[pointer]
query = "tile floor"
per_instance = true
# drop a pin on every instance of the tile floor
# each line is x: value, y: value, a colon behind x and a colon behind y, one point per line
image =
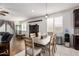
x: 64, y: 51
x: 61, y: 51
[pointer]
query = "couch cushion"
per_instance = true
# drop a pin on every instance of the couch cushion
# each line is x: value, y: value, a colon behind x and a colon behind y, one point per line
x: 5, y: 37
x: 10, y: 36
x: 1, y: 33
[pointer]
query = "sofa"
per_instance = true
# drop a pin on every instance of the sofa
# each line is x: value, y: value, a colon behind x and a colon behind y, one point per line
x: 5, y: 39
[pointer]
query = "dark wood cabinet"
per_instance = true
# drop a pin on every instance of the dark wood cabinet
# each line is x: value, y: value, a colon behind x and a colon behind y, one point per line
x: 76, y: 42
x: 76, y: 18
x: 76, y: 29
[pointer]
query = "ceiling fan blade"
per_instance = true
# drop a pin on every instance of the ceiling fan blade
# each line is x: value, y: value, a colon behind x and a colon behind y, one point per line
x: 6, y: 12
x: 2, y: 14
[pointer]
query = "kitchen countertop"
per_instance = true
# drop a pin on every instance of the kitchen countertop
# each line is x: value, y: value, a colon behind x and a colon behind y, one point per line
x: 76, y: 34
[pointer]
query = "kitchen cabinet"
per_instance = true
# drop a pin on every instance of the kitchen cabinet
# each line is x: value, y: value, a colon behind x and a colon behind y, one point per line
x: 76, y: 42
x: 76, y: 29
x: 76, y: 18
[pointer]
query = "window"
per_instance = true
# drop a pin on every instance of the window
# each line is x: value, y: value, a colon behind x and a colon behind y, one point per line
x: 54, y: 23
x: 58, y: 21
x: 50, y: 24
x: 58, y: 24
x: 23, y: 26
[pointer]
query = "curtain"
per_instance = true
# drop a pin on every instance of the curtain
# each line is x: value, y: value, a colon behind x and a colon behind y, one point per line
x: 1, y: 22
x: 12, y: 25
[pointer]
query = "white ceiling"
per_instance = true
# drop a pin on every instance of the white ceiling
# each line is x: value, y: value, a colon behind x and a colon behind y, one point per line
x: 22, y: 11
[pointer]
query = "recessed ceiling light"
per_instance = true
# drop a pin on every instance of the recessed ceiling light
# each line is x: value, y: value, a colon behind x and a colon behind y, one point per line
x: 32, y: 10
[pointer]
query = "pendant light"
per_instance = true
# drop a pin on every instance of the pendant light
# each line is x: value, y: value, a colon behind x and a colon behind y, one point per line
x: 46, y: 16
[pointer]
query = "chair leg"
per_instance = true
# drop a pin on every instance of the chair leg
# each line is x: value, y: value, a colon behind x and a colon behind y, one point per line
x: 49, y: 52
x: 53, y: 52
x: 25, y: 52
x: 55, y: 49
x: 43, y: 51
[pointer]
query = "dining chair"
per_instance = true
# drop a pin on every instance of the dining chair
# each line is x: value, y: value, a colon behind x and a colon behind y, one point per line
x: 51, y: 47
x: 32, y: 35
x: 30, y: 49
x: 54, y: 45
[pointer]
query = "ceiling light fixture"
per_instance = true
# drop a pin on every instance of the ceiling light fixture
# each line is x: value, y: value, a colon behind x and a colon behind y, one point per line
x: 32, y: 10
x: 46, y: 16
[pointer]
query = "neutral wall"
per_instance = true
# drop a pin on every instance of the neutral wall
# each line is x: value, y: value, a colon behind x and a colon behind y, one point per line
x: 68, y: 24
x: 42, y: 25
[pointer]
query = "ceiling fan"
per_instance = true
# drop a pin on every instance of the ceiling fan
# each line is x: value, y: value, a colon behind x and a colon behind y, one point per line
x: 4, y: 13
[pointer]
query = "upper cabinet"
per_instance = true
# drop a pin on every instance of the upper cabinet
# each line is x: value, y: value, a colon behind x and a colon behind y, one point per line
x: 76, y: 18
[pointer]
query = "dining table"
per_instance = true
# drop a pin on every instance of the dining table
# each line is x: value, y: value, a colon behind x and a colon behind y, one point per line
x: 39, y: 41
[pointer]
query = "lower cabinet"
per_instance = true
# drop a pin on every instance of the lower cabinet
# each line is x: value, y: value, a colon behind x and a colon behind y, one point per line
x: 76, y: 42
